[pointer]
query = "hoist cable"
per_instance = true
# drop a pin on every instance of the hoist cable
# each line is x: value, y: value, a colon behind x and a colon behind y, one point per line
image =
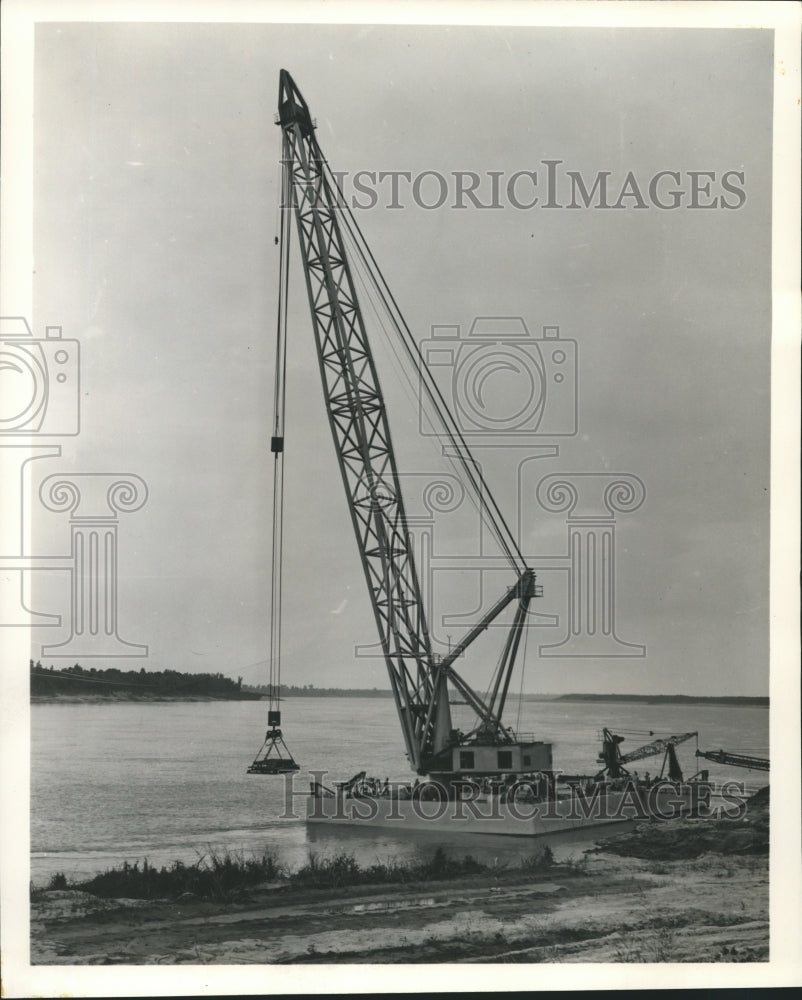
x: 277, y: 445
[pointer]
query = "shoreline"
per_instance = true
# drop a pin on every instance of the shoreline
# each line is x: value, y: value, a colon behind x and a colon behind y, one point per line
x: 122, y: 697
x: 678, y: 891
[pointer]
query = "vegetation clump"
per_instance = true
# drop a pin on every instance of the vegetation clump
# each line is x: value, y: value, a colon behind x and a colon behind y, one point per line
x: 217, y: 876
x: 343, y: 869
x: 688, y: 839
x: 224, y: 876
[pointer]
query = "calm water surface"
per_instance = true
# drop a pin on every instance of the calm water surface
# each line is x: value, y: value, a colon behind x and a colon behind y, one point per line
x: 166, y: 781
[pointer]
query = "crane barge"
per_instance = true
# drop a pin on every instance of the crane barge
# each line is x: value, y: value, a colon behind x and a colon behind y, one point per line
x: 421, y: 681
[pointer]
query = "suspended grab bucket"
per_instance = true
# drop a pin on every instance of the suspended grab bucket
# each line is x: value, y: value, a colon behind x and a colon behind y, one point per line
x: 273, y: 757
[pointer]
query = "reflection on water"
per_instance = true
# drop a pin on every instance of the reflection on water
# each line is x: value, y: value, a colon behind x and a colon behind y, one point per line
x: 168, y: 781
x: 294, y: 842
x: 368, y: 846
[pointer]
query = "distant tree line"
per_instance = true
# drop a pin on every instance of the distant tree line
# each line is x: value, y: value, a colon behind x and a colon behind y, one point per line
x: 690, y: 699
x: 310, y: 691
x: 155, y: 683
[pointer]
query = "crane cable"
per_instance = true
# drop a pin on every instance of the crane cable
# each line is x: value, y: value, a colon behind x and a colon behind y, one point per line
x: 409, y: 387
x: 521, y: 691
x: 277, y: 446
x: 405, y: 379
x: 486, y: 502
x: 471, y: 467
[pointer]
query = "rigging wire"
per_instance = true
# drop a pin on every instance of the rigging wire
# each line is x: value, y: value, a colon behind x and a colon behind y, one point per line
x: 469, y: 464
x: 495, y: 677
x: 471, y: 470
x: 523, y: 671
x: 408, y: 385
x: 363, y: 261
x: 405, y: 379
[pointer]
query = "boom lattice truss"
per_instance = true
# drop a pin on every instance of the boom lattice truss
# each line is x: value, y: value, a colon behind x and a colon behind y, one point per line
x: 363, y: 445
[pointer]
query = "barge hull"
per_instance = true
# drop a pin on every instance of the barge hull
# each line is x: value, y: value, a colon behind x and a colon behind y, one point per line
x: 493, y: 817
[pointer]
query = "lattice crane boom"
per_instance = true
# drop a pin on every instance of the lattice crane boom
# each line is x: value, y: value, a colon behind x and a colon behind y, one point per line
x: 358, y: 422
x: 654, y: 748
x: 735, y: 759
x: 359, y: 426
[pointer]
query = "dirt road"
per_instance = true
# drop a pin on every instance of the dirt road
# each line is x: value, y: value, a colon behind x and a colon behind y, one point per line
x: 605, y: 909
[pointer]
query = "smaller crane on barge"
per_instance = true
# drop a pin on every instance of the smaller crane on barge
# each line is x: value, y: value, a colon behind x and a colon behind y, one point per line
x: 614, y: 761
x: 330, y: 242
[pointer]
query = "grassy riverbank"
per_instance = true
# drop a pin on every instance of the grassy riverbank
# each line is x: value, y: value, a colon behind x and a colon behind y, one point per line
x: 679, y: 891
x: 228, y: 876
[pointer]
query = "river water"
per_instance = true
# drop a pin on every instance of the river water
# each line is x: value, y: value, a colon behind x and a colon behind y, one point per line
x: 167, y: 780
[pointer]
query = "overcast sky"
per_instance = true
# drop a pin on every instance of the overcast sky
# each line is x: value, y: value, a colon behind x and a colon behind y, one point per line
x: 156, y: 191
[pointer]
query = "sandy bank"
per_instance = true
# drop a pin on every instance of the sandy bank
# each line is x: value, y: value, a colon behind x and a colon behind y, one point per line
x: 607, y: 908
